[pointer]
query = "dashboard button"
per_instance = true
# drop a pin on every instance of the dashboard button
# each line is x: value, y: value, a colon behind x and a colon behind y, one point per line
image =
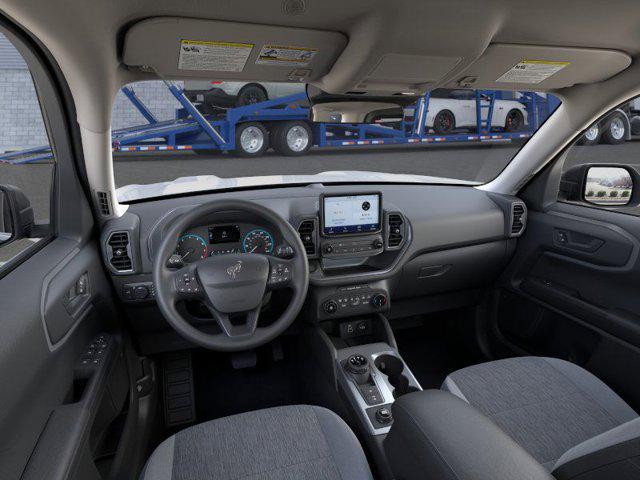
x: 330, y: 307
x: 140, y: 292
x: 379, y: 300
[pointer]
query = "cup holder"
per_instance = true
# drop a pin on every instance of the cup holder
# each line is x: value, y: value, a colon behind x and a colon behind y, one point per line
x: 393, y: 367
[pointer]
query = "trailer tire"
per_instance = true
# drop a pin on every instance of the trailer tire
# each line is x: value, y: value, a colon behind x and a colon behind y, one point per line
x: 292, y: 138
x: 615, y: 131
x: 514, y: 121
x: 444, y: 122
x: 592, y: 135
x: 252, y: 139
x: 251, y: 94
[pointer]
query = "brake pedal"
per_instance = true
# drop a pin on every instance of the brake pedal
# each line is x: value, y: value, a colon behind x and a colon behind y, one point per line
x: 241, y: 360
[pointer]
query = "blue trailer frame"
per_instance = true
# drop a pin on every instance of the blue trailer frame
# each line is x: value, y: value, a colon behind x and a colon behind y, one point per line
x: 192, y: 130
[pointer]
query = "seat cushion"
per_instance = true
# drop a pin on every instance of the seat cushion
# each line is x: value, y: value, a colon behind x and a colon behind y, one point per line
x: 293, y: 442
x: 546, y: 405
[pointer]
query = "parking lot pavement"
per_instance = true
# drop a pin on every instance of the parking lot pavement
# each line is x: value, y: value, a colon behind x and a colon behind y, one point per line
x: 463, y: 161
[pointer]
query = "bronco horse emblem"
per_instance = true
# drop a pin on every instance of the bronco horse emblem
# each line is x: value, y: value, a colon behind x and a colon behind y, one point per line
x: 234, y: 269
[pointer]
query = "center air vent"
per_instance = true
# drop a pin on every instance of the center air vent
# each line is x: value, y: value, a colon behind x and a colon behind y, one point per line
x: 118, y: 251
x: 395, y: 225
x: 518, y: 219
x: 307, y: 235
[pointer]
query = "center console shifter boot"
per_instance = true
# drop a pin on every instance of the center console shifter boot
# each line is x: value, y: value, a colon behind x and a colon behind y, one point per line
x: 437, y: 436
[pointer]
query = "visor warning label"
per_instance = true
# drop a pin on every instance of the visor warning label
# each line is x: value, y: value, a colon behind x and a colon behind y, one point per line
x: 213, y: 56
x: 285, y: 55
x: 532, y: 71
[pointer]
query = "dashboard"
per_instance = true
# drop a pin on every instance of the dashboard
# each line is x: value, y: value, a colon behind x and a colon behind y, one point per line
x: 393, y: 249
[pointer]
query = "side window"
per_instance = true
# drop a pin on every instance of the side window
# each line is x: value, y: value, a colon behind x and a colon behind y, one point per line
x: 602, y: 168
x: 26, y: 160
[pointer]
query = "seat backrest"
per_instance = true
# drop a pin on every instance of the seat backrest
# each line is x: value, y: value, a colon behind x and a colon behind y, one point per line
x: 614, y: 454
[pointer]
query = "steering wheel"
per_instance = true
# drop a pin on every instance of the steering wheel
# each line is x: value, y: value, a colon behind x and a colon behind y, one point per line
x: 232, y: 285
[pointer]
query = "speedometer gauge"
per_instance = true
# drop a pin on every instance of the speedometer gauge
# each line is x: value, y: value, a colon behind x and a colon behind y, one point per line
x: 258, y: 241
x: 191, y: 247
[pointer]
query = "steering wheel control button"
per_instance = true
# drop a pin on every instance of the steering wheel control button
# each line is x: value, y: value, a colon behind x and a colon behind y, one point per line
x: 280, y: 274
x: 187, y: 284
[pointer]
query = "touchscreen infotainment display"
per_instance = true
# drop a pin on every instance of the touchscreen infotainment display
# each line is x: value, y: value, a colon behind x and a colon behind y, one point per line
x: 351, y: 214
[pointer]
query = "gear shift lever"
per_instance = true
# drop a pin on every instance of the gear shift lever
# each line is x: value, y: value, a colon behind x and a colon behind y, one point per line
x: 358, y: 366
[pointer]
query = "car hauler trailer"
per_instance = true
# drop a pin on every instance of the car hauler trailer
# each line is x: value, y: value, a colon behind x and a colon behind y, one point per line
x: 283, y: 124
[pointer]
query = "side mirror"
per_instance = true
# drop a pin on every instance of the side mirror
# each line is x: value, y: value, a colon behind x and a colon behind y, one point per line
x: 16, y: 214
x: 608, y: 186
x: 603, y: 185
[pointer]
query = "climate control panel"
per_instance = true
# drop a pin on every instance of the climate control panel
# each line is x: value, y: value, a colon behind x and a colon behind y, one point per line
x: 353, y: 247
x: 354, y: 300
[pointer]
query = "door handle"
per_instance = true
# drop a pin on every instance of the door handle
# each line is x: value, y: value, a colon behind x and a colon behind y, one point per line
x: 576, y: 241
x: 78, y: 295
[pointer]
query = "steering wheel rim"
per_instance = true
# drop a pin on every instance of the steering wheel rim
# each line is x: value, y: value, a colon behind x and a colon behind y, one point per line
x: 241, y: 289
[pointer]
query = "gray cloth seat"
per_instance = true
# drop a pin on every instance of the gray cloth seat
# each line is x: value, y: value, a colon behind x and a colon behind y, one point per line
x: 555, y: 410
x: 293, y: 442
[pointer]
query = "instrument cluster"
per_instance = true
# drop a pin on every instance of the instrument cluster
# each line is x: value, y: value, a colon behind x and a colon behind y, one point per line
x: 212, y: 240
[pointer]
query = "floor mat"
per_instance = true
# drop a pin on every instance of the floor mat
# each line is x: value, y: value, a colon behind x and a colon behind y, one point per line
x: 221, y: 390
x: 434, y: 349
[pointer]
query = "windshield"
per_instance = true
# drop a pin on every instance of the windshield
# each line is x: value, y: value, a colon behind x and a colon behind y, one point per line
x: 188, y: 136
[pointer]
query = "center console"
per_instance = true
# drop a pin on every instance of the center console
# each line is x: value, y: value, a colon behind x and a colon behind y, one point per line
x: 367, y: 375
x: 372, y: 377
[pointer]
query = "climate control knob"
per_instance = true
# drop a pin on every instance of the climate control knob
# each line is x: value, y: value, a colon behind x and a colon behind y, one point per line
x: 378, y: 244
x: 328, y: 249
x: 379, y: 300
x: 330, y: 307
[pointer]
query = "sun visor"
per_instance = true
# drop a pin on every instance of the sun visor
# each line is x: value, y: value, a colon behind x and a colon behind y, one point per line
x: 529, y: 67
x: 187, y: 48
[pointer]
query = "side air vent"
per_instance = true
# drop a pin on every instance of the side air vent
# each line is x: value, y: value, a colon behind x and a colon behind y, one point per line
x: 395, y: 229
x: 518, y: 219
x: 103, y: 203
x: 119, y: 252
x: 307, y: 235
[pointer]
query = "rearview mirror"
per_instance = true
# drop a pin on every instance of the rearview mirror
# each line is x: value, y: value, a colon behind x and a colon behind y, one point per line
x: 360, y: 108
x: 16, y: 214
x: 608, y: 186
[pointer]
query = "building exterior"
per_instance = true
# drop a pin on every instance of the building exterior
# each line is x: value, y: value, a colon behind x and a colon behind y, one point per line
x: 21, y: 123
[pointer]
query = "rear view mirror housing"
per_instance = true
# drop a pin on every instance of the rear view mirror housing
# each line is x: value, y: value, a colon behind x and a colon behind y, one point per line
x: 16, y: 214
x: 601, y: 184
x: 356, y: 108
